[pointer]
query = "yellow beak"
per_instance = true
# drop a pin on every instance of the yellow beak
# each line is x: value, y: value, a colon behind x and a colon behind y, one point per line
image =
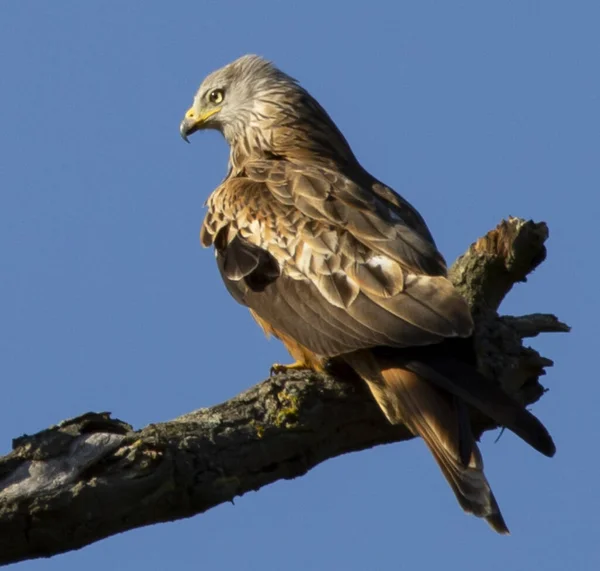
x: 193, y: 121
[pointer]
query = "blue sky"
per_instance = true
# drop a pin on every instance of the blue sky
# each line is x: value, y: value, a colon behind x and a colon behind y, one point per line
x: 472, y: 110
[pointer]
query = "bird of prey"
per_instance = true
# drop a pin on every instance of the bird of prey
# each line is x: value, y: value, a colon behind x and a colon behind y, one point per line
x: 343, y: 270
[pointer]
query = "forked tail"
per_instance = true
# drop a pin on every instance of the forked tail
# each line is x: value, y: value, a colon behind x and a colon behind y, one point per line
x: 441, y: 419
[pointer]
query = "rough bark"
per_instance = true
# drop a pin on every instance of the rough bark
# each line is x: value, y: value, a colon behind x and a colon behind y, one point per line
x: 93, y: 476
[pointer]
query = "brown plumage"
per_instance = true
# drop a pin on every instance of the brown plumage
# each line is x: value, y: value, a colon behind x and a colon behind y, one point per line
x: 342, y: 269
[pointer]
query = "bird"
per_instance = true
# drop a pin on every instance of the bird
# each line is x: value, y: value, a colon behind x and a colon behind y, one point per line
x: 344, y: 271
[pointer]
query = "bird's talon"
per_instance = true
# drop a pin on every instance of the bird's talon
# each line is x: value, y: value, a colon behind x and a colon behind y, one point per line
x: 279, y: 369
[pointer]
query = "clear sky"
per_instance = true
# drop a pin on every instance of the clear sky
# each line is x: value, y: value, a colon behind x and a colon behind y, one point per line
x: 472, y: 110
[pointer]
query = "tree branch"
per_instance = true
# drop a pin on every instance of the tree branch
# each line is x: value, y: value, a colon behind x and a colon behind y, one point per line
x: 91, y: 477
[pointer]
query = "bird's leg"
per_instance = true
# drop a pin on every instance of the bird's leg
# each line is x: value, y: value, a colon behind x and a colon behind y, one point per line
x: 278, y: 369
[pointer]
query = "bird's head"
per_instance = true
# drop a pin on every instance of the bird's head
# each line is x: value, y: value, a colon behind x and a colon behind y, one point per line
x: 230, y: 99
x: 261, y: 111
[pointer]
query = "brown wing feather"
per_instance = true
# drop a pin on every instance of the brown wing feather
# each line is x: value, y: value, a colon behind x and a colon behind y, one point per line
x: 338, y: 270
x: 392, y: 228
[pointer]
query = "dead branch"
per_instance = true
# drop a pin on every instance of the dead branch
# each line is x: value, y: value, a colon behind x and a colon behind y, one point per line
x: 93, y: 476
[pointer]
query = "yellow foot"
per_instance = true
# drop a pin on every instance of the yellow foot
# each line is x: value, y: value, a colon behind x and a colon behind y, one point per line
x: 277, y: 369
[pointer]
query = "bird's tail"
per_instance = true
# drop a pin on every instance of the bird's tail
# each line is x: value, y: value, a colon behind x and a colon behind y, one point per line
x: 442, y: 420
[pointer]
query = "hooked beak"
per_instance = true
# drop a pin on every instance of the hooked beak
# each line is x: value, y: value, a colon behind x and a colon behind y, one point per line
x: 193, y: 122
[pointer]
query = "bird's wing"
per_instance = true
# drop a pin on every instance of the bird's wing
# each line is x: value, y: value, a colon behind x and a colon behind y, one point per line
x: 329, y: 263
x: 375, y: 216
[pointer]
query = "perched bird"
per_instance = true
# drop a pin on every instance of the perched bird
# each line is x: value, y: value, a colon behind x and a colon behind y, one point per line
x: 343, y: 270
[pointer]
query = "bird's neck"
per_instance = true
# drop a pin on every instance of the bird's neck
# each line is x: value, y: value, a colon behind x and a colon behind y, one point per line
x: 309, y: 137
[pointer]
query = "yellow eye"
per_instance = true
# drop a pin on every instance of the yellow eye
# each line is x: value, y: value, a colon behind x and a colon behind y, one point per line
x: 216, y: 96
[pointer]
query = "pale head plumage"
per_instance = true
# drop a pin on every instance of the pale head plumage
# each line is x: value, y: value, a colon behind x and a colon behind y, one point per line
x: 242, y: 85
x: 261, y: 110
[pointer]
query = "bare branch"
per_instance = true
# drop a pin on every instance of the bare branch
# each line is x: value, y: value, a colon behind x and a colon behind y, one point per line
x: 91, y: 477
x: 498, y: 260
x: 535, y: 323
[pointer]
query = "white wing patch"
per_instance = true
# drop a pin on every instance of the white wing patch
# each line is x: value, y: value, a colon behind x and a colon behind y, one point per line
x: 382, y: 263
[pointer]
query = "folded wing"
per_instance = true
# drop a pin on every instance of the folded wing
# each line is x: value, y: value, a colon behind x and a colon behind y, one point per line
x: 329, y: 263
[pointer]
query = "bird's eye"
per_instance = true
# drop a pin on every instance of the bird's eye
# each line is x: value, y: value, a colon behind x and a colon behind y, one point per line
x: 216, y: 96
